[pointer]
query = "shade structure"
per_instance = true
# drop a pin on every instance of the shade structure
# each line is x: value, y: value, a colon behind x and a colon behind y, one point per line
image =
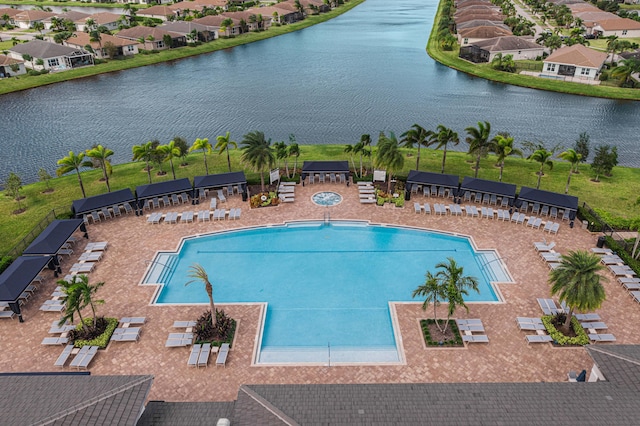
x: 552, y: 199
x: 489, y: 187
x: 17, y: 277
x: 53, y: 237
x: 310, y: 167
x: 221, y: 180
x: 86, y: 205
x: 144, y: 192
x: 417, y: 177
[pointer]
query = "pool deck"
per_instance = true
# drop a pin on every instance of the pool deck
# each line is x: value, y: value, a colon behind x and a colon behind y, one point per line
x: 132, y: 242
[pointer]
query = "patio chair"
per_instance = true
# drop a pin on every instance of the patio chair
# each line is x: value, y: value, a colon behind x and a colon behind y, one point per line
x: 467, y: 196
x: 553, y: 213
x: 493, y: 200
x: 194, y: 355
x: 543, y: 246
x: 427, y: 208
x: 205, y: 351
x: 538, y: 338
x: 531, y: 220
x: 105, y: 213
x: 229, y: 189
x: 332, y: 179
x: 174, y: 199
x: 478, y: 197
x: 441, y: 191
x: 127, y: 208
x: 601, y: 337
x: 221, y: 196
x: 148, y: 205
x: 544, y: 211
x: 222, y: 355
x: 184, y: 197
x: 417, y: 207
x: 321, y: 179
x: 312, y: 179
x: 536, y: 208
x: 165, y: 201
x: 64, y: 356
x: 85, y: 219
x: 485, y: 199
x: 434, y: 190
x: 116, y: 210
x: 213, y: 204
x: 95, y: 216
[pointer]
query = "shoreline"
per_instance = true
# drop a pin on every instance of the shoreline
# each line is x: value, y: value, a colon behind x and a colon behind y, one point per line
x: 18, y: 84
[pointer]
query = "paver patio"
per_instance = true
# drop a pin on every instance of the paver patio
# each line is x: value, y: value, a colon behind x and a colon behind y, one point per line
x: 133, y: 242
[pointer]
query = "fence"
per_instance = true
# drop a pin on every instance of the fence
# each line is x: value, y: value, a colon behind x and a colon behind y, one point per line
x: 598, y: 224
x: 24, y: 243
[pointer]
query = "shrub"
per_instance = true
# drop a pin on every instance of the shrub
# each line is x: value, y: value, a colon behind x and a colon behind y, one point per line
x: 109, y: 324
x: 424, y: 324
x: 222, y: 332
x: 616, y: 223
x: 594, y: 223
x: 624, y: 255
x: 560, y: 339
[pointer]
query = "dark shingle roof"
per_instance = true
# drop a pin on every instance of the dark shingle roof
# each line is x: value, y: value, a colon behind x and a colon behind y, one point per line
x: 73, y: 399
x: 159, y: 413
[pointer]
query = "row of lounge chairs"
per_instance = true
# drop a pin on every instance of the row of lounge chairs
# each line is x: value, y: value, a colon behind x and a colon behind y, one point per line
x: 286, y: 192
x: 108, y: 212
x: 590, y: 321
x: 5, y: 310
x: 82, y: 358
x: 472, y: 331
x: 154, y: 203
x: 188, y: 216
x: 125, y: 333
x: 366, y: 192
x: 624, y: 274
x: 330, y: 177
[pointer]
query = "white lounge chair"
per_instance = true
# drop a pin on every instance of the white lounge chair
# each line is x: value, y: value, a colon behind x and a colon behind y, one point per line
x: 538, y: 338
x: 194, y: 355
x: 221, y: 196
x: 222, y: 355
x: 64, y: 356
x: 55, y: 341
x: 601, y: 337
x: 417, y: 207
x: 203, y: 358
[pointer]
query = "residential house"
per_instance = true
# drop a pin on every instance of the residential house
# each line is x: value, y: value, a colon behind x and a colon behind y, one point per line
x: 124, y: 47
x: 470, y: 16
x: 621, y: 27
x: 478, y: 8
x: 280, y: 15
x: 55, y: 57
x: 215, y: 22
x: 315, y: 6
x: 250, y: 19
x: 287, y: 5
x: 71, y: 16
x: 11, y: 67
x: 9, y: 12
x: 472, y: 35
x: 152, y: 38
x: 204, y: 33
x: 184, y: 8
x: 481, y: 23
x: 102, y: 19
x: 575, y: 61
x: 485, y: 50
x: 164, y: 13
x: 462, y: 3
x: 26, y: 18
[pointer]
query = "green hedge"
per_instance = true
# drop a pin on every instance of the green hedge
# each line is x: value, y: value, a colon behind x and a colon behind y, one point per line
x: 594, y: 223
x: 5, y: 261
x: 624, y: 255
x: 424, y: 324
x: 560, y: 339
x: 102, y: 340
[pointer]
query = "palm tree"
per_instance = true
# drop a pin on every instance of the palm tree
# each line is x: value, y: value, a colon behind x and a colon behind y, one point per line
x: 455, y: 284
x: 431, y: 290
x: 294, y: 151
x: 73, y: 162
x: 78, y: 295
x: 578, y: 283
x: 416, y: 135
x: 258, y: 153
x: 503, y: 147
x: 281, y: 154
x: 366, y: 142
x: 624, y: 71
x: 612, y: 42
x: 351, y: 150
x: 478, y: 141
x: 543, y: 157
x: 389, y: 156
x: 443, y: 136
x: 227, y: 24
x: 144, y: 152
x: 197, y: 272
x: 223, y: 143
x: 101, y: 155
x: 574, y: 158
x: 205, y: 146
x: 170, y: 151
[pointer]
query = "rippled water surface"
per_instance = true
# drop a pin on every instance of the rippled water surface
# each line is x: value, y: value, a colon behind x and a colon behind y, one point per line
x: 363, y: 72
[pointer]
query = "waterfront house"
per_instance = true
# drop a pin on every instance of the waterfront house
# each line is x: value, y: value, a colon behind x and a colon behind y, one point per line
x: 11, y: 13
x: 468, y: 36
x: 481, y: 23
x: 100, y: 49
x: 185, y: 28
x: 486, y: 50
x: 184, y: 8
x: 103, y: 19
x: 279, y: 14
x: 470, y: 16
x: 11, y: 67
x: 54, y: 57
x: 164, y: 13
x: 26, y: 18
x: 575, y: 62
x: 152, y: 38
x: 214, y: 22
x: 250, y: 18
x: 71, y: 16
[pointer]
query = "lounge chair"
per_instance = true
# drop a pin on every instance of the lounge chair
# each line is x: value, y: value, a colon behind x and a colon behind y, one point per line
x: 50, y: 307
x: 177, y: 343
x: 478, y: 197
x: 554, y: 213
x: 531, y: 326
x: 587, y: 317
x: 524, y: 207
x: 238, y: 213
x: 485, y: 212
x: 427, y: 208
x: 453, y: 209
x: 82, y: 268
x: 536, y: 208
x: 628, y: 280
x: 550, y: 256
x: 154, y: 218
x: 467, y: 196
x: 538, y: 338
x: 493, y: 200
x: 95, y: 216
x: 631, y: 286
x: 441, y: 192
x: 221, y: 196
x: 612, y: 259
x: 426, y: 191
x: 205, y: 351
x: 55, y: 341
x: 7, y: 314
x: 543, y: 246
x: 544, y: 211
x: 99, y: 246
x: 125, y: 336
x: 194, y: 355
x: 204, y: 215
x: 520, y: 220
x: 322, y: 177
x: 594, y: 325
x: 133, y: 320
x: 490, y: 213
x: 554, y: 228
x: 127, y: 208
x: 64, y: 356
x: 222, y: 355
x: 635, y: 295
x: 59, y: 329
x: 475, y: 338
x: 601, y: 337
x: 500, y: 214
x: 229, y: 189
x: 165, y: 201
x: 91, y: 256
x: 156, y: 203
x: 548, y: 306
x: 105, y: 212
x: 504, y: 203
x: 174, y: 199
x: 417, y: 207
x: 186, y: 217
x: 183, y: 324
x: 566, y: 215
x: 171, y: 217
x: 213, y: 203
x: 202, y: 194
x: 88, y: 357
x: 116, y: 210
x: 184, y: 197
x: 434, y: 190
x: 621, y: 270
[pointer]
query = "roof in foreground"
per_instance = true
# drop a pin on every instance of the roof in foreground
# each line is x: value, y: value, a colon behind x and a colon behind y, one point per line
x: 73, y: 399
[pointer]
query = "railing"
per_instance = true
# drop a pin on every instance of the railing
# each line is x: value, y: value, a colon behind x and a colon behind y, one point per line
x: 598, y: 224
x: 17, y: 250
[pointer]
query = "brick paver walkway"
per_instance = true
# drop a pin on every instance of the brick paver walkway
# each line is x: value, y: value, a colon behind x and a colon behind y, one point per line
x: 132, y: 242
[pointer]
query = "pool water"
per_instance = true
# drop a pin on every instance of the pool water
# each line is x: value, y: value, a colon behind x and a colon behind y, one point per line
x: 327, y: 286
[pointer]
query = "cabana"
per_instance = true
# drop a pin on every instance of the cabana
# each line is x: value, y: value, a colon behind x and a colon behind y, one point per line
x: 110, y: 199
x: 491, y: 187
x: 416, y: 177
x: 221, y: 180
x: 323, y: 168
x: 54, y: 236
x: 18, y: 276
x: 551, y: 199
x: 154, y: 190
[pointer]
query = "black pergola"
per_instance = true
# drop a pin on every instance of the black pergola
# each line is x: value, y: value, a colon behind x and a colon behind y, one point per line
x: 53, y: 238
x: 417, y: 177
x: 17, y: 277
x: 153, y: 190
x: 552, y: 199
x: 313, y: 167
x: 489, y: 187
x: 221, y: 180
x: 86, y: 205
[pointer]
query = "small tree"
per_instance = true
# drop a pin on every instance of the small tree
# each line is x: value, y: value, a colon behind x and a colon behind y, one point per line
x: 182, y: 145
x: 13, y: 185
x: 78, y: 295
x: 197, y: 272
x: 543, y: 157
x: 45, y: 177
x: 294, y: 151
x: 582, y: 147
x: 605, y: 159
x: 433, y: 292
x: 574, y: 158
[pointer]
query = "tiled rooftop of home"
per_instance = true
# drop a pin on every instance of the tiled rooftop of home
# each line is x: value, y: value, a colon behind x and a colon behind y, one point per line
x: 133, y: 242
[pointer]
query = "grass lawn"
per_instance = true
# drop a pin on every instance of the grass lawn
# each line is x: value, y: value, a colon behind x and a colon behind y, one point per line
x: 616, y: 195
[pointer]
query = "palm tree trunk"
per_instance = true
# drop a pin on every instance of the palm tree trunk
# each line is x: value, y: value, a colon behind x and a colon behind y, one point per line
x: 214, y: 317
x: 206, y: 167
x: 539, y: 177
x: 567, y: 322
x: 172, y: 169
x: 418, y: 159
x: 228, y: 159
x: 148, y: 171
x: 566, y: 188
x: 477, y: 165
x: 389, y: 185
x: 354, y: 166
x: 360, y: 165
x: 106, y: 176
x: 80, y: 182
x: 444, y: 158
x: 501, y: 169
x: 435, y: 317
x: 262, y: 180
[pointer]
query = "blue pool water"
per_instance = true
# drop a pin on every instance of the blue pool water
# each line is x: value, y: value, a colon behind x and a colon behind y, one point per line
x: 327, y: 286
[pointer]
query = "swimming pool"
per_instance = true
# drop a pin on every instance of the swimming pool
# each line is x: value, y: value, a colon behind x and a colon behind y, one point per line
x: 327, y: 286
